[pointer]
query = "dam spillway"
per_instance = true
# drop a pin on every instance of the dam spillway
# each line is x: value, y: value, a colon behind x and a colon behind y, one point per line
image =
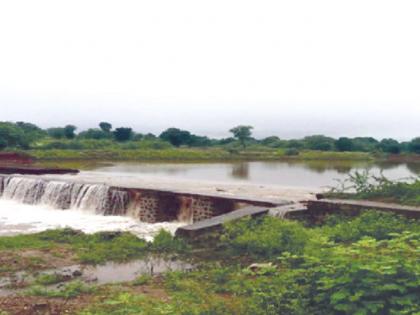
x: 144, y: 205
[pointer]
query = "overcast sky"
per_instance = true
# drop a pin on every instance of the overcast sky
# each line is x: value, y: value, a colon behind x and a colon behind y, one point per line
x: 289, y: 68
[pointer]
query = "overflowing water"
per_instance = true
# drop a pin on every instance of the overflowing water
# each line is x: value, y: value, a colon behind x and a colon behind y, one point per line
x: 56, y: 194
x: 29, y: 205
x: 17, y: 218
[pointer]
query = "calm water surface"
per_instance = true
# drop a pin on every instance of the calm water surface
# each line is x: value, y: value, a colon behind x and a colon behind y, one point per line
x: 296, y: 174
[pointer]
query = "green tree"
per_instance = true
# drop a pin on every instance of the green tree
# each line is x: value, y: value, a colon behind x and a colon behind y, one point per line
x: 105, y: 126
x: 242, y: 133
x: 176, y: 136
x: 11, y: 135
x: 31, y: 132
x: 3, y: 144
x: 274, y: 142
x: 56, y: 132
x: 94, y: 134
x: 344, y: 144
x: 365, y: 144
x: 69, y: 131
x: 123, y: 134
x: 319, y: 142
x: 414, y: 145
x: 390, y: 146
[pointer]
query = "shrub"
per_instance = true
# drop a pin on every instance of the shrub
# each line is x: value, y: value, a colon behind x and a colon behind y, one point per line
x: 376, y: 224
x: 70, y: 290
x: 291, y: 152
x: 165, y: 242
x: 265, y: 237
x: 369, y: 277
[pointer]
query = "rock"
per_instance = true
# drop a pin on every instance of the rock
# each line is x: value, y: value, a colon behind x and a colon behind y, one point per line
x: 256, y: 267
x: 77, y: 273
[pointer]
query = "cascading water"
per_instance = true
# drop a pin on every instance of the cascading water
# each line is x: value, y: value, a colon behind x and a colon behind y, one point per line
x: 56, y: 194
x: 30, y: 205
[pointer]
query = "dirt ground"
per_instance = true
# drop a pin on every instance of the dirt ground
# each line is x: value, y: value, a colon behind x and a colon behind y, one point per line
x: 23, y: 305
x: 34, y: 259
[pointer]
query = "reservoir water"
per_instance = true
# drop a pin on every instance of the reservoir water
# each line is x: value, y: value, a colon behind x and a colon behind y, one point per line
x: 311, y: 174
x: 267, y: 180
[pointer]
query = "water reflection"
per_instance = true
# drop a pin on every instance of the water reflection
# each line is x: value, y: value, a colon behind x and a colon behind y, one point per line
x: 240, y: 170
x: 311, y: 174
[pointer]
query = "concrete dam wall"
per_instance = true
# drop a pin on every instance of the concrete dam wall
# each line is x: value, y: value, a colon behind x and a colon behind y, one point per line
x: 146, y: 205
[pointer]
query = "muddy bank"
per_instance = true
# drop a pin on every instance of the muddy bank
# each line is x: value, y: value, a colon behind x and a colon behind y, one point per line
x: 15, y: 158
x: 35, y: 171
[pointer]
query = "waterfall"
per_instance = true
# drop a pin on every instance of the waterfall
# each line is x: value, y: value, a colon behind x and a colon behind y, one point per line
x: 63, y: 195
x: 102, y: 199
x: 25, y: 190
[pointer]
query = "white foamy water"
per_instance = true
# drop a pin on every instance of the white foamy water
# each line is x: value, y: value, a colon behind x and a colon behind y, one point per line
x: 17, y: 218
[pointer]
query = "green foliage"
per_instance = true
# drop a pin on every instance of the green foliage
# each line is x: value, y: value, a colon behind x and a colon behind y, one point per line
x: 274, y: 142
x: 32, y: 133
x: 12, y: 136
x: 70, y: 290
x: 3, y: 144
x: 145, y: 151
x: 176, y: 137
x: 368, y: 277
x: 142, y: 280
x: 319, y: 142
x: 56, y: 132
x: 390, y: 146
x: 265, y: 237
x: 48, y: 279
x: 69, y: 131
x: 414, y: 145
x: 363, y: 185
x: 344, y: 144
x: 123, y: 134
x: 100, y: 247
x: 291, y: 152
x: 96, y: 134
x: 379, y: 225
x: 367, y: 264
x: 242, y: 133
x: 90, y: 248
x: 105, y: 126
x: 165, y: 242
x: 25, y: 135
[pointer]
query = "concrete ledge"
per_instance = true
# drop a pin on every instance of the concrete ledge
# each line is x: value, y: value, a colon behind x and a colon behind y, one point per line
x: 216, y: 222
x: 319, y: 207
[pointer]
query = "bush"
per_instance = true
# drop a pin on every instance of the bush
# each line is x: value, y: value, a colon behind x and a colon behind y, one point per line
x: 265, y: 237
x: 165, y: 242
x: 376, y: 224
x: 369, y: 277
x: 291, y: 152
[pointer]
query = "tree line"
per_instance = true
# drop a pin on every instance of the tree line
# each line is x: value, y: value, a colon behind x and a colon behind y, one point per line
x: 24, y: 135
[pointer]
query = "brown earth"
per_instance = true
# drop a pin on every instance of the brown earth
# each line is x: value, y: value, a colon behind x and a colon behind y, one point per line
x: 35, y: 259
x: 30, y: 305
x: 16, y: 158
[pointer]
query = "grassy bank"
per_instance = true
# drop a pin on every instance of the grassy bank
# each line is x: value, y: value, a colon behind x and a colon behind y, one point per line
x: 184, y: 154
x: 365, y: 186
x: 346, y: 265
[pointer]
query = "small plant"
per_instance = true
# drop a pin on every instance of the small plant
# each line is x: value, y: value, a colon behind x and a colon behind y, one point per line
x: 142, y: 280
x: 364, y: 185
x: 165, y: 242
x: 70, y: 290
x: 291, y: 152
x: 47, y: 279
